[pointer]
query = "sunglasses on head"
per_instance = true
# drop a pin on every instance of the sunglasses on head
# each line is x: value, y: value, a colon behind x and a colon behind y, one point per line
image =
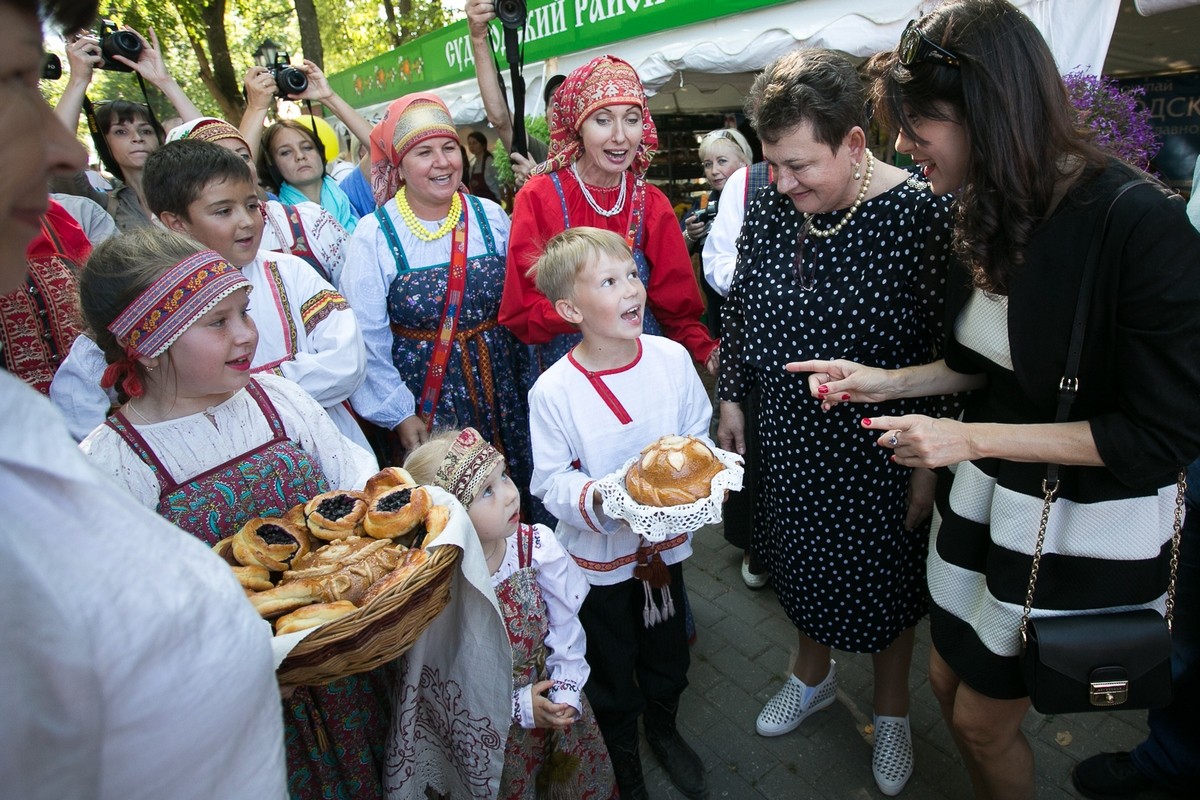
x: 917, y: 48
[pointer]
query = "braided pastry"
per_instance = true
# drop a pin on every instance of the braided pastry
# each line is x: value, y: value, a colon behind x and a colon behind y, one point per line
x: 672, y: 471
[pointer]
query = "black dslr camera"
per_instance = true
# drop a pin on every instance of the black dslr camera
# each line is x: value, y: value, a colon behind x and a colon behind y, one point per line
x: 511, y: 13
x: 116, y: 42
x: 288, y: 79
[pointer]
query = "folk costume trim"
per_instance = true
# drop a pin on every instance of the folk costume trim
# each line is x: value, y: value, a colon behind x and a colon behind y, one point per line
x: 596, y: 379
x: 583, y: 505
x: 631, y: 558
x: 282, y: 307
x: 467, y: 465
x: 317, y: 308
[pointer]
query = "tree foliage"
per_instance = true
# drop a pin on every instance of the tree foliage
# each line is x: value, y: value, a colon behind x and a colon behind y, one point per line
x: 209, y: 44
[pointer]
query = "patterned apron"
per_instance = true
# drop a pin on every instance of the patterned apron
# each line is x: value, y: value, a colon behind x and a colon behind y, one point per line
x: 581, y: 749
x: 487, y: 365
x: 335, y: 733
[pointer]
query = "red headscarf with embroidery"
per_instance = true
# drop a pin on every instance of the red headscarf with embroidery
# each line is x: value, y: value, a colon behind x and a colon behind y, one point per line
x: 407, y: 122
x: 603, y: 81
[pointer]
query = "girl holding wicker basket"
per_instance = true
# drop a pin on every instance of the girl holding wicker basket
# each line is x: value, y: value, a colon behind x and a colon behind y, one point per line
x: 210, y: 448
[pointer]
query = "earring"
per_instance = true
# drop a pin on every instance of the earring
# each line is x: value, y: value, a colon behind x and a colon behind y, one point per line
x: 857, y: 171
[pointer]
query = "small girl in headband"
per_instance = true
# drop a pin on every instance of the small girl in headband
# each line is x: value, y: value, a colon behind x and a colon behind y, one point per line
x: 554, y: 738
x: 209, y: 448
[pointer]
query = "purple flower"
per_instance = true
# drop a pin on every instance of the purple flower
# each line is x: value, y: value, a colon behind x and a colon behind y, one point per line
x: 1118, y: 119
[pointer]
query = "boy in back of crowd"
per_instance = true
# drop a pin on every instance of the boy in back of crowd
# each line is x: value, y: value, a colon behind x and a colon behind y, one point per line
x: 590, y: 412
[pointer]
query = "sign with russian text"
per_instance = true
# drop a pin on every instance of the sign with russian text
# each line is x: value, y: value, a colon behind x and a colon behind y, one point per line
x: 553, y: 28
x: 1174, y: 105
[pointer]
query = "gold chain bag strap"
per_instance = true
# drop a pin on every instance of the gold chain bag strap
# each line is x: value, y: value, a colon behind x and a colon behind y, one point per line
x: 1097, y: 661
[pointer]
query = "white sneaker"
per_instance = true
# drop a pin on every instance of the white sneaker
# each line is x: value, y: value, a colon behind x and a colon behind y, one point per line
x: 753, y: 580
x: 793, y: 703
x: 892, y: 761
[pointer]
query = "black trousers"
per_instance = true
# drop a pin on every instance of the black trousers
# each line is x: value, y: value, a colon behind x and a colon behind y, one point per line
x: 632, y: 664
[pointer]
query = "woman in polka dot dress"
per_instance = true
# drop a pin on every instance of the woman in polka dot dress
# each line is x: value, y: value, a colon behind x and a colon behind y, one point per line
x: 842, y: 255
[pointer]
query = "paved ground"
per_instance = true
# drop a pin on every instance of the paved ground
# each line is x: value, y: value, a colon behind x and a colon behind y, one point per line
x: 740, y: 659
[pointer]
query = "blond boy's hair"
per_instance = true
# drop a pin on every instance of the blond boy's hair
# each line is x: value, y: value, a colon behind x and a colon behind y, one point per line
x: 566, y: 255
x: 423, y: 463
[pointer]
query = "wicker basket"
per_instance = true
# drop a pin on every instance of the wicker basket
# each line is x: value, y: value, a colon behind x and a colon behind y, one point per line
x: 378, y: 632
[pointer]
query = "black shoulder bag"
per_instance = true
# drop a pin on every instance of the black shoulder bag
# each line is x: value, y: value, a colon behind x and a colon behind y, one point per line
x: 1104, y: 661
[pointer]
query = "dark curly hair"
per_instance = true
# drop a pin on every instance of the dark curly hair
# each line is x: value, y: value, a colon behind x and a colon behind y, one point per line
x: 1023, y: 134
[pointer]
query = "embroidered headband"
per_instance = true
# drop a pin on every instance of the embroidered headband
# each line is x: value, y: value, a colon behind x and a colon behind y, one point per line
x: 206, y: 129
x: 173, y: 303
x: 467, y: 465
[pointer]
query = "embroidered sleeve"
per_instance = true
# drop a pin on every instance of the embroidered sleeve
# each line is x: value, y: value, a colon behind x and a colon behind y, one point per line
x: 318, y: 307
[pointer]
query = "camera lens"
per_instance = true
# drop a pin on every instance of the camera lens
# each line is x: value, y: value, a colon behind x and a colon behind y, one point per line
x: 511, y: 13
x: 290, y: 80
x: 122, y: 43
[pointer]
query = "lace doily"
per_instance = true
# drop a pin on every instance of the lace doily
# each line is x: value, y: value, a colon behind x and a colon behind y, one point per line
x: 657, y: 523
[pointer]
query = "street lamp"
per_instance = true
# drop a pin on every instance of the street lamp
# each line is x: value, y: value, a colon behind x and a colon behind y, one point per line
x: 266, y: 53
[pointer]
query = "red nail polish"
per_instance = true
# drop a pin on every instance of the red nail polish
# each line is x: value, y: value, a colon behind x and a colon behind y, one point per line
x: 893, y: 458
x: 845, y: 397
x: 866, y: 423
x: 823, y: 389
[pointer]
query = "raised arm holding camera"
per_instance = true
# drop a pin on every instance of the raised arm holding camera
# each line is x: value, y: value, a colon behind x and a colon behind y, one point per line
x: 290, y: 154
x: 126, y: 132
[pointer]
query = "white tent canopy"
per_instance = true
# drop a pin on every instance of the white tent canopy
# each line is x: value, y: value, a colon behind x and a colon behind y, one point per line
x: 708, y: 66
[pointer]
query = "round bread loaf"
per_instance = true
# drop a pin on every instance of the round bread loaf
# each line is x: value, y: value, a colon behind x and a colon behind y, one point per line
x: 672, y: 471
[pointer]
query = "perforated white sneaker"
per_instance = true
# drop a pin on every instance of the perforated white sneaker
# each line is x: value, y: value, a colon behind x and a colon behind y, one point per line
x: 892, y: 761
x: 793, y: 703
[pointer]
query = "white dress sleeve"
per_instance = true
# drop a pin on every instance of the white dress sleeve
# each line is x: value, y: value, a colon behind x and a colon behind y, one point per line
x: 383, y: 398
x: 345, y: 464
x: 330, y: 363
x: 564, y: 587
x: 76, y: 389
x: 326, y: 238
x: 720, y: 248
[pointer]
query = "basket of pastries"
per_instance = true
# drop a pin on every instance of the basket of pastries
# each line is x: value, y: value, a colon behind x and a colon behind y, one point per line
x: 675, y: 485
x: 350, y: 579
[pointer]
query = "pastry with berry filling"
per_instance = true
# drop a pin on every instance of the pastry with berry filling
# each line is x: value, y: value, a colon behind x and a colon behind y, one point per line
x: 335, y: 515
x: 387, y: 479
x: 396, y: 511
x: 270, y: 543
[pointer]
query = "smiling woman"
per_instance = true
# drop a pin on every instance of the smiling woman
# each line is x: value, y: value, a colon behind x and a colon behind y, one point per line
x: 429, y: 260
x: 602, y: 142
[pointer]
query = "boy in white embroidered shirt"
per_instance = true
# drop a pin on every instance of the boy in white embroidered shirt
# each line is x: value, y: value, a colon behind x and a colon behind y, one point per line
x: 307, y: 332
x: 590, y: 412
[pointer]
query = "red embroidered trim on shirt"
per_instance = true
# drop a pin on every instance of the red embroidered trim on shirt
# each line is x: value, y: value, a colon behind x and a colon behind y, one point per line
x: 609, y: 566
x: 583, y: 506
x: 596, y: 379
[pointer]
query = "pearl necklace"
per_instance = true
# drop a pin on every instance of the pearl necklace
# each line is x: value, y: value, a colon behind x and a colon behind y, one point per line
x: 591, y: 201
x: 414, y: 224
x: 862, y: 193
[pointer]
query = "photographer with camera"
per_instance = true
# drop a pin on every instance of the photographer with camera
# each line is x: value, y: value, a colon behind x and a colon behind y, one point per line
x: 126, y: 133
x: 290, y: 155
x: 495, y: 105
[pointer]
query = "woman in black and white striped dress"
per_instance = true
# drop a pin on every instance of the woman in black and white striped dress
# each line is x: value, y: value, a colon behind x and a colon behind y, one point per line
x: 981, y: 108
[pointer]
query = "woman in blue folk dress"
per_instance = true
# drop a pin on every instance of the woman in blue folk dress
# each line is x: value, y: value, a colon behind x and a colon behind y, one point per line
x: 424, y: 275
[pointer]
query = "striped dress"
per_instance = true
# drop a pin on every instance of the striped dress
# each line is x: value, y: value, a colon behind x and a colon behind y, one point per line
x: 1108, y: 539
